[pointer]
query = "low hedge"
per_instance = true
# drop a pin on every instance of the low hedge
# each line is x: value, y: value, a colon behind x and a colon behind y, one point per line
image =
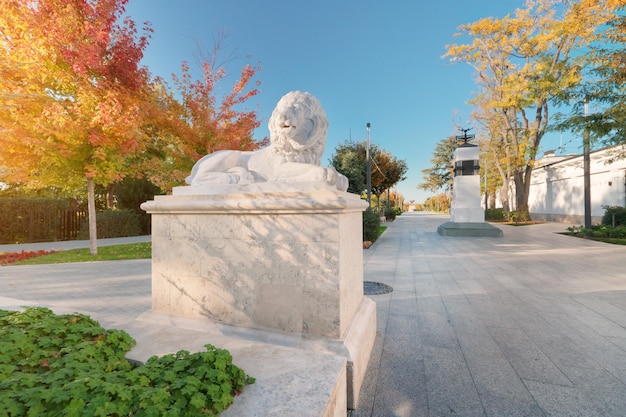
x: 495, y: 215
x: 371, y: 225
x: 114, y: 223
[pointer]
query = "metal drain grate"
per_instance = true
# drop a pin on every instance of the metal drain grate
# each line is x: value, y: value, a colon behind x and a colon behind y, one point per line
x: 375, y: 288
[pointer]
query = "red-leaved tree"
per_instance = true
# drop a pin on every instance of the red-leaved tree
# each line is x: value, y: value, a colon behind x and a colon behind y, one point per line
x: 74, y: 95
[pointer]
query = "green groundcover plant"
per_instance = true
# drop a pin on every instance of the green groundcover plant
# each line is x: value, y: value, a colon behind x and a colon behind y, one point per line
x: 68, y: 365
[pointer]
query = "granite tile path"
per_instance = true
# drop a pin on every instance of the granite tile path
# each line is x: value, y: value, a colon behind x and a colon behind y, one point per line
x: 530, y: 324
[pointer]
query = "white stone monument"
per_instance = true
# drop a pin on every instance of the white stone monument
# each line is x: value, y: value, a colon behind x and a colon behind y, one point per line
x: 269, y: 240
x: 467, y: 216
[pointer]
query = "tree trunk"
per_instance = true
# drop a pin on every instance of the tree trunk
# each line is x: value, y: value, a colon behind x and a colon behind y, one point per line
x: 522, y: 188
x: 110, y: 195
x: 91, y: 207
x: 504, y: 196
x: 504, y: 189
x: 492, y: 199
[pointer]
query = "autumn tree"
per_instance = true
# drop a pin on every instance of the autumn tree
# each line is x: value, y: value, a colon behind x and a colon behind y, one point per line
x: 524, y: 62
x: 72, y: 93
x: 438, y: 203
x: 386, y: 170
x: 76, y: 106
x: 193, y: 118
x: 496, y: 154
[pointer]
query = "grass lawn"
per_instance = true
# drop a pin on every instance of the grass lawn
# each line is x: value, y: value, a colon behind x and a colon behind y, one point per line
x: 105, y: 253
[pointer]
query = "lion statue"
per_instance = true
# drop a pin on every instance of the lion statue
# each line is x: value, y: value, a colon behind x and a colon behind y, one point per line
x: 298, y: 127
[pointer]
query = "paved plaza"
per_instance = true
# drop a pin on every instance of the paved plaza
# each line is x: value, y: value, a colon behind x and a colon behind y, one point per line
x: 530, y: 324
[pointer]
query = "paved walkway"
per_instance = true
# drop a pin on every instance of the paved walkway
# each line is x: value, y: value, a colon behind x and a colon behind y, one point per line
x: 531, y: 324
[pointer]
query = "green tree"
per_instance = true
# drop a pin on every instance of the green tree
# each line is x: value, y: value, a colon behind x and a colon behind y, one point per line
x: 386, y: 170
x: 349, y: 159
x: 604, y: 85
x: 439, y: 175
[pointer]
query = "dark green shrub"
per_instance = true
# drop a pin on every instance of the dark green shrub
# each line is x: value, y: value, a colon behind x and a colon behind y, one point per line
x: 579, y: 231
x: 495, y: 215
x: 68, y: 365
x: 598, y: 231
x: 519, y: 216
x: 398, y: 211
x: 614, y: 215
x: 131, y: 193
x: 114, y: 223
x: 371, y: 225
x: 390, y: 215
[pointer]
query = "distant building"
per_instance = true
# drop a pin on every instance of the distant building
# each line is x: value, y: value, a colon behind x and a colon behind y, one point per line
x: 557, y: 185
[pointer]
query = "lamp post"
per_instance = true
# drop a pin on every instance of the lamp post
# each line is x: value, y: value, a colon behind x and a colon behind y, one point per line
x: 368, y: 168
x: 486, y: 189
x: 587, y: 171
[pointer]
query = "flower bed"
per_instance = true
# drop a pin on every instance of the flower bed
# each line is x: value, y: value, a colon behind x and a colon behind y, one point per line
x: 10, y: 257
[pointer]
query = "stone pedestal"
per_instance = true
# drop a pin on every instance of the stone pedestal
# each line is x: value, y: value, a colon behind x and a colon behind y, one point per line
x: 466, y: 207
x: 467, y: 216
x: 283, y: 261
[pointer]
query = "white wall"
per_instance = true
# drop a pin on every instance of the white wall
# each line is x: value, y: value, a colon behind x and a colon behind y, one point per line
x: 557, y: 189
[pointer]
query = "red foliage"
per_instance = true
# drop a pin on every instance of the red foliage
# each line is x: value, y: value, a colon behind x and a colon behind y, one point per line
x: 10, y: 257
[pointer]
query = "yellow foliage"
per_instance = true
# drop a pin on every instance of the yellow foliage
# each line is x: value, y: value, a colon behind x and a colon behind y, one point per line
x: 70, y: 100
x: 522, y: 60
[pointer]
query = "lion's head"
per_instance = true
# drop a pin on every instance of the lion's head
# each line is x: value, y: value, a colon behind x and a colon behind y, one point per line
x: 298, y: 128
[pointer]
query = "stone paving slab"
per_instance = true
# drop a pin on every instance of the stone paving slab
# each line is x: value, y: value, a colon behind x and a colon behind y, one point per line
x: 529, y: 324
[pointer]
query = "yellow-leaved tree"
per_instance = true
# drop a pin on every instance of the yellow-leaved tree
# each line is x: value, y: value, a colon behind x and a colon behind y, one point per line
x: 523, y: 62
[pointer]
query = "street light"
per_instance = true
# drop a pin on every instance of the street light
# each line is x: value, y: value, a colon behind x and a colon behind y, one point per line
x: 587, y: 171
x: 368, y: 168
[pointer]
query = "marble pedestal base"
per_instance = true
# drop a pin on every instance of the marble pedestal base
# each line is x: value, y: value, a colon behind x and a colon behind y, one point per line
x: 468, y: 229
x: 282, y: 261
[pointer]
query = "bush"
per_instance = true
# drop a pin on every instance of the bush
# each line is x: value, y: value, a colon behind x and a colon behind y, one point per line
x: 495, y: 215
x: 398, y: 211
x: 371, y: 225
x: 390, y: 215
x: 68, y: 365
x: 519, y: 216
x: 131, y: 193
x: 114, y: 223
x: 598, y: 231
x: 614, y: 213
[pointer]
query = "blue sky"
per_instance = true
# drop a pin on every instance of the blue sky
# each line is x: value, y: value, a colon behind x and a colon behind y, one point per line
x: 367, y: 61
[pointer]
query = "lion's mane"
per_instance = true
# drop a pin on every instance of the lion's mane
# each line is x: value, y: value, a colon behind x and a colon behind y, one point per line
x: 312, y: 151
